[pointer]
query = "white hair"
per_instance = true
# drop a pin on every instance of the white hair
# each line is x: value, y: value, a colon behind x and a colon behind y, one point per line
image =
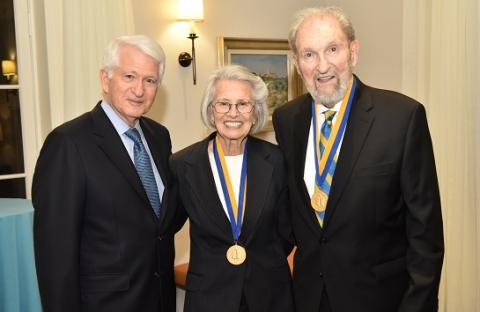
x: 142, y: 42
x: 331, y: 11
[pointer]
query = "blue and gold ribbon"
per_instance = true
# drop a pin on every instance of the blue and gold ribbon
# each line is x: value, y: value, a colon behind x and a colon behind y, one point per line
x: 323, y: 161
x: 235, y: 212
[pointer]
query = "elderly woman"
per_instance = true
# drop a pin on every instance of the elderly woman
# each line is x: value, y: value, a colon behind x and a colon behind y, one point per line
x: 233, y: 188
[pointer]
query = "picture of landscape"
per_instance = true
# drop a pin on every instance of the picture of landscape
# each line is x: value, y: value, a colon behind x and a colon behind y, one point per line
x: 272, y: 68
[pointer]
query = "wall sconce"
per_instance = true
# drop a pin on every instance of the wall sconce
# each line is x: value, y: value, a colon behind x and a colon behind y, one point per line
x: 9, y: 68
x: 191, y: 11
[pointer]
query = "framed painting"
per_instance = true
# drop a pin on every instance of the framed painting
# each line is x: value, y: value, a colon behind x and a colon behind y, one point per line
x: 268, y: 58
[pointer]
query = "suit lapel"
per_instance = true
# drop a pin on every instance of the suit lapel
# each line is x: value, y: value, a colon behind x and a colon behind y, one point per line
x: 259, y: 175
x: 201, y: 181
x: 303, y: 120
x: 111, y: 144
x: 359, y: 123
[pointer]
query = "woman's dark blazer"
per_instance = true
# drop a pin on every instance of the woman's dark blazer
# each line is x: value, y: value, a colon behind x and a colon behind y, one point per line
x: 213, y: 284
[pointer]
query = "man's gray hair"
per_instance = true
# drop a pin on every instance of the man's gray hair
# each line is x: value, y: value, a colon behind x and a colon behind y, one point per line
x: 240, y: 73
x: 331, y: 11
x: 142, y: 42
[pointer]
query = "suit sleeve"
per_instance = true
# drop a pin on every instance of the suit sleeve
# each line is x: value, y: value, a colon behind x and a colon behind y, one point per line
x: 180, y: 212
x: 284, y: 226
x: 284, y: 219
x: 58, y: 194
x: 423, y: 218
x: 276, y: 127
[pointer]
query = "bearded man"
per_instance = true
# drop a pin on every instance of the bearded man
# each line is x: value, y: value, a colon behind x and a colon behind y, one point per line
x: 363, y: 186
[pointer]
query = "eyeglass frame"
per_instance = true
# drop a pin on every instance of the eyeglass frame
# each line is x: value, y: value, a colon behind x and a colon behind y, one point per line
x: 233, y: 104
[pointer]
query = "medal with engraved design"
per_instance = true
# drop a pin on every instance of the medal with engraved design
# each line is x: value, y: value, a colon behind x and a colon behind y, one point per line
x: 236, y: 254
x: 319, y: 200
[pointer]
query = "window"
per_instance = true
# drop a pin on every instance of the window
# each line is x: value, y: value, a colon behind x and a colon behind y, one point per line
x: 12, y: 168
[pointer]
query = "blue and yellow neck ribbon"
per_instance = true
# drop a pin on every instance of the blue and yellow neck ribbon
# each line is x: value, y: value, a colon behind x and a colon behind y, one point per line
x: 235, y: 212
x: 323, y: 161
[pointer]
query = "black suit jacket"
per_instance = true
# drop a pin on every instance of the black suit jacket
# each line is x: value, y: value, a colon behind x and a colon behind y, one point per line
x: 98, y: 244
x: 213, y: 284
x: 381, y: 247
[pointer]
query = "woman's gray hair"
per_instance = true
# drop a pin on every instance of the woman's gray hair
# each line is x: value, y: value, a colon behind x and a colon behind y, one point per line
x: 331, y: 11
x: 142, y: 42
x: 240, y: 73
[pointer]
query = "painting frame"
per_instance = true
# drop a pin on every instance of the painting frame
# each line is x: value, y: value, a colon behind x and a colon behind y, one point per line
x: 228, y: 47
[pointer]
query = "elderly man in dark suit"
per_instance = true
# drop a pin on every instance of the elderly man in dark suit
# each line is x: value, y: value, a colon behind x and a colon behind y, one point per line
x: 103, y: 199
x: 365, y: 201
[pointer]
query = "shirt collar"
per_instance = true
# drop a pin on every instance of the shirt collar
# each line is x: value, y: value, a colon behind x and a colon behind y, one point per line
x: 335, y: 108
x: 120, y: 126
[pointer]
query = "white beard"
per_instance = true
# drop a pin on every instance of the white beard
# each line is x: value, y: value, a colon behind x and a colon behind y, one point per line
x: 328, y: 100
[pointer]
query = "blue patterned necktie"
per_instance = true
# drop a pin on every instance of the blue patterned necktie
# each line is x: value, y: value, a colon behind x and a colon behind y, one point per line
x: 144, y: 169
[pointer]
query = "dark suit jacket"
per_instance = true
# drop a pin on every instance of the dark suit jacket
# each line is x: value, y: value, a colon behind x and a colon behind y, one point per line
x: 213, y: 284
x: 98, y: 244
x: 381, y: 247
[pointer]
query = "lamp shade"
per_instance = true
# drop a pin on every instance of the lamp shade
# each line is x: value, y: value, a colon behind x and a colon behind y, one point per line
x: 9, y: 67
x: 190, y: 10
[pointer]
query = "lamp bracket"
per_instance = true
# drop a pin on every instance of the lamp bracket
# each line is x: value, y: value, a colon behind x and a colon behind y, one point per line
x: 192, y: 36
x: 185, y: 59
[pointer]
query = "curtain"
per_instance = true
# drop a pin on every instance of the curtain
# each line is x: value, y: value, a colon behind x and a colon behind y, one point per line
x: 440, y: 69
x: 76, y: 34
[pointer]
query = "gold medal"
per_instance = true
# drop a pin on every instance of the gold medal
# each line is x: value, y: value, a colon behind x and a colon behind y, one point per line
x: 319, y: 200
x: 236, y: 254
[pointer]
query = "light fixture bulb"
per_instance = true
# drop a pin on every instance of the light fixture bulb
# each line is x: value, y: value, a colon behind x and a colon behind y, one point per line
x: 190, y: 10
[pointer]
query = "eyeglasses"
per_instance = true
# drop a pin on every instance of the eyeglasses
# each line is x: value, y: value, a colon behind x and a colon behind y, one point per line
x: 223, y: 107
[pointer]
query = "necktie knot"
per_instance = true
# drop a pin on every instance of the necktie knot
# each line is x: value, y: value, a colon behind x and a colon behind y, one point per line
x: 329, y: 114
x: 133, y: 135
